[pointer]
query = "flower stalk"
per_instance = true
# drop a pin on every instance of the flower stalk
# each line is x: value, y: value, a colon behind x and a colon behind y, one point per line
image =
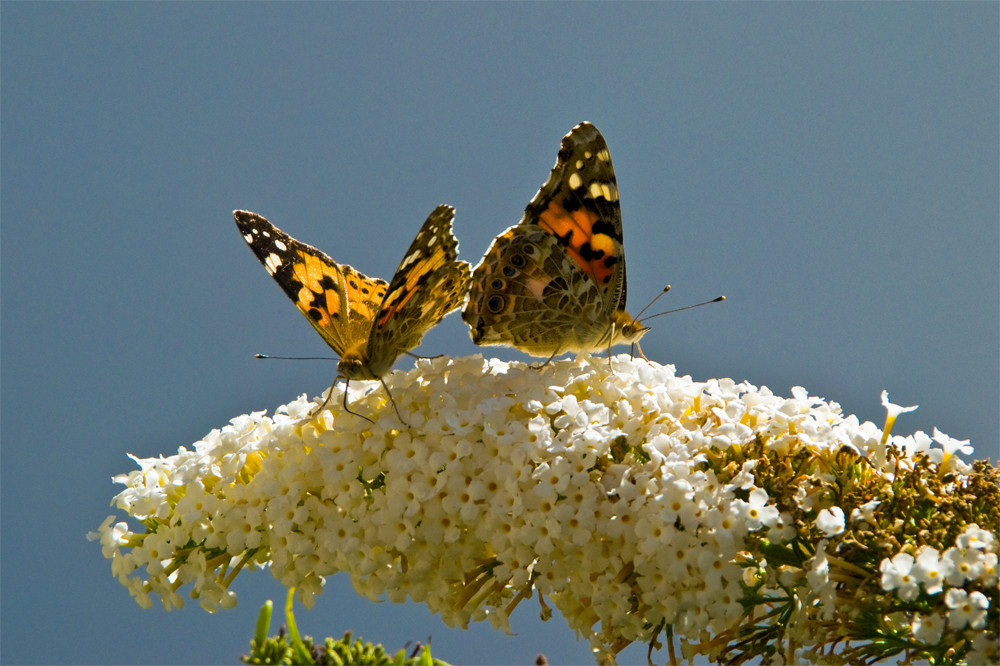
x: 641, y: 505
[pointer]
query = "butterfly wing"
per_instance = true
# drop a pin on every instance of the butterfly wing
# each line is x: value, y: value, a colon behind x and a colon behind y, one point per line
x: 579, y: 206
x: 534, y: 297
x: 556, y: 281
x: 429, y: 283
x: 338, y: 301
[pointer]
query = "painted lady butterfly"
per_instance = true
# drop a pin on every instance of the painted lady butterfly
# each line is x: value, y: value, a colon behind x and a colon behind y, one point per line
x: 367, y: 321
x: 555, y: 282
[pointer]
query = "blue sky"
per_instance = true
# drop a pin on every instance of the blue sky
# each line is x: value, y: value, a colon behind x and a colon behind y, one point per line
x: 831, y: 168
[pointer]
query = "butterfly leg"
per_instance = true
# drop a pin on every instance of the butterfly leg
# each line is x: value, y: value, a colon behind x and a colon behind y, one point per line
x: 547, y: 361
x: 348, y: 409
x: 389, y: 393
x: 424, y: 357
x: 329, y: 394
x: 611, y: 336
x: 637, y: 348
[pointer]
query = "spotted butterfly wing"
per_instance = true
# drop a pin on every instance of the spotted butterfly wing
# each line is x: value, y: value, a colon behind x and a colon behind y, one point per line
x: 429, y: 283
x: 367, y: 321
x: 555, y: 282
x: 339, y: 301
x: 578, y: 205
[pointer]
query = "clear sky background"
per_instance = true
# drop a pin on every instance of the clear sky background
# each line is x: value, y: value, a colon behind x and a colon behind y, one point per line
x: 831, y: 168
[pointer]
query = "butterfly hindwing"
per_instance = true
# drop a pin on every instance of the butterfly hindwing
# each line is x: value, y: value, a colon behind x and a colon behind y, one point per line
x: 525, y: 304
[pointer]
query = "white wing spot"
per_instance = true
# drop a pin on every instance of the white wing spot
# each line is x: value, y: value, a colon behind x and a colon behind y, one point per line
x: 272, y: 263
x: 604, y: 156
x: 574, y: 180
x: 281, y: 245
x: 598, y: 190
x: 409, y: 259
x: 248, y: 238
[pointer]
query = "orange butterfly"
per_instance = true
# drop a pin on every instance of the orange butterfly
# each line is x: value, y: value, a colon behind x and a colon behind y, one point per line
x: 369, y: 322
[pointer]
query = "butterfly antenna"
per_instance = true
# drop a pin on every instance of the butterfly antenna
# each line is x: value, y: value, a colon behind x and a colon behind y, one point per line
x: 650, y: 304
x: 686, y: 307
x: 329, y: 394
x: 296, y: 358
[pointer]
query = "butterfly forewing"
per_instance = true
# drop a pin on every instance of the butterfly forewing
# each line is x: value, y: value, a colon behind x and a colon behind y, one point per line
x: 578, y: 204
x: 338, y: 301
x: 428, y: 284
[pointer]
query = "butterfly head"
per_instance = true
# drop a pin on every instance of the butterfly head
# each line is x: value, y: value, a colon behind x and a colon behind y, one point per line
x: 625, y: 330
x: 354, y: 364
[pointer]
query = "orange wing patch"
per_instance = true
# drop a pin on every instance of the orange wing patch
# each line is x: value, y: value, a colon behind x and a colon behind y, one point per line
x: 389, y: 310
x: 577, y: 231
x: 367, y: 321
x: 315, y: 297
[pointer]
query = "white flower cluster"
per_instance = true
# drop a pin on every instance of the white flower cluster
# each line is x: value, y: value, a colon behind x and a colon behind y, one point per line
x: 587, y: 480
x: 973, y: 559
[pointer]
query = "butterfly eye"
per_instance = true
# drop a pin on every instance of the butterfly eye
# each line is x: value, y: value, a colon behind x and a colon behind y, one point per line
x: 496, y: 304
x: 497, y: 284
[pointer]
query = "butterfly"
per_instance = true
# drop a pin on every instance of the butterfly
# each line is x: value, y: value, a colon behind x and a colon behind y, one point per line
x: 555, y: 282
x: 368, y: 322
